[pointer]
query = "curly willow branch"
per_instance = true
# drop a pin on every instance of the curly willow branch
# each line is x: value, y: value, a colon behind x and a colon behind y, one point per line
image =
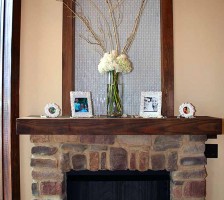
x: 106, y: 22
x: 116, y: 36
x: 87, y: 24
x: 119, y: 2
x: 120, y: 13
x: 131, y: 38
x: 100, y: 41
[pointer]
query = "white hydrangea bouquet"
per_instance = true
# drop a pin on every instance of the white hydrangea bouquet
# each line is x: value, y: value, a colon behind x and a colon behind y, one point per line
x: 112, y: 63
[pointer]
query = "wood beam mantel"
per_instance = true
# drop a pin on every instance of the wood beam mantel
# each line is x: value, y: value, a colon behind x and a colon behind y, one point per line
x: 119, y: 126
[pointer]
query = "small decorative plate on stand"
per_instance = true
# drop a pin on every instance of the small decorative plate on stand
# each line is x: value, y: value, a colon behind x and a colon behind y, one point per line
x: 187, y: 110
x: 52, y: 110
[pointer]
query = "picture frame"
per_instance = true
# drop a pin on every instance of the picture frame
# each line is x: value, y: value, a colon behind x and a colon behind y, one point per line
x: 151, y: 104
x: 187, y: 110
x: 52, y: 110
x: 81, y: 104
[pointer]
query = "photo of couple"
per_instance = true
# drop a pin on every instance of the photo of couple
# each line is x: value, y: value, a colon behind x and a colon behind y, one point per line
x: 150, y: 104
x: 81, y: 105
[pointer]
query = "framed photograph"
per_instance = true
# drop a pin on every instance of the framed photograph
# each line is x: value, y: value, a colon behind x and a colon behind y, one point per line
x: 187, y: 110
x: 151, y: 103
x: 52, y: 110
x: 81, y: 105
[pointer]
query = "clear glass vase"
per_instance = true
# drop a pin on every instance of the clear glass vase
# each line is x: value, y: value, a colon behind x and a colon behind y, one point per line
x: 114, y: 94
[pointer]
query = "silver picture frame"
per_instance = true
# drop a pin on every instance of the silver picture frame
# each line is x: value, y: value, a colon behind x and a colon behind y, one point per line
x: 81, y: 104
x: 151, y: 104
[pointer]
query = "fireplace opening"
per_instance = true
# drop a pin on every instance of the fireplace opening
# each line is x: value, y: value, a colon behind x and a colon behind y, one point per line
x: 118, y: 185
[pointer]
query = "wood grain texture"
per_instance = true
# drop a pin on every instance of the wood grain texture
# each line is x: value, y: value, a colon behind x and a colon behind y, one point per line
x: 67, y: 59
x: 167, y: 58
x: 15, y: 74
x: 119, y: 126
x: 167, y: 66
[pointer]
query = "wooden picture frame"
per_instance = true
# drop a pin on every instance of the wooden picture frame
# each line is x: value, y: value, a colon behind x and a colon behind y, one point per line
x: 167, y: 58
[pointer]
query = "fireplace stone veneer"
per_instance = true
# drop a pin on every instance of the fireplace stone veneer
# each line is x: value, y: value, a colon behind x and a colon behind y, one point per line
x: 181, y: 155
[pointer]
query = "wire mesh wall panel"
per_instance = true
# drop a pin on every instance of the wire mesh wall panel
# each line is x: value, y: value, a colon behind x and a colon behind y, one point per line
x: 144, y: 53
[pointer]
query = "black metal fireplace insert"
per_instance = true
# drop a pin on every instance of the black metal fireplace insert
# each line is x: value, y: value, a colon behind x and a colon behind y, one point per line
x: 118, y: 185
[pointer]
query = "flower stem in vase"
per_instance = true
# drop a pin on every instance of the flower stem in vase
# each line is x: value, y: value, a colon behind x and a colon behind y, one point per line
x: 114, y: 95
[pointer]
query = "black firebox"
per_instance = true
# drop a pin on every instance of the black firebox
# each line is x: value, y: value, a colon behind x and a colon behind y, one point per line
x: 118, y: 185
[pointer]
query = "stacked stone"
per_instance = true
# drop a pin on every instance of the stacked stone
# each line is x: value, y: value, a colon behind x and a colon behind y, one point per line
x: 188, y: 182
x: 183, y: 156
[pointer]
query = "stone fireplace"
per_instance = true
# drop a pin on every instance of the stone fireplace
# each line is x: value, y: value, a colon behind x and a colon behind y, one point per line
x: 181, y: 155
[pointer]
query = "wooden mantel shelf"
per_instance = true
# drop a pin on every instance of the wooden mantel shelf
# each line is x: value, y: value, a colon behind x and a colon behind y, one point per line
x: 119, y: 126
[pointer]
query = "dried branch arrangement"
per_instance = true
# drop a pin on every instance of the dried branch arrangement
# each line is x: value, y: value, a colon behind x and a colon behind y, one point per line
x: 107, y: 26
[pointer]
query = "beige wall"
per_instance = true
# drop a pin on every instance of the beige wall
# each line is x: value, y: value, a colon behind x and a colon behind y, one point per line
x: 40, y: 81
x: 199, y: 69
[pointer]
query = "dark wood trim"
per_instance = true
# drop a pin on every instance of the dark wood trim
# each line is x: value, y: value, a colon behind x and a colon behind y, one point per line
x: 167, y: 63
x: 212, y: 136
x: 67, y: 59
x: 15, y: 75
x: 119, y: 126
x: 167, y: 58
x: 11, y: 53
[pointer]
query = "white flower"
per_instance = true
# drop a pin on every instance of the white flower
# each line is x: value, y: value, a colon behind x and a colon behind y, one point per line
x: 124, y: 64
x: 111, y: 61
x: 114, y: 53
x: 122, y: 56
